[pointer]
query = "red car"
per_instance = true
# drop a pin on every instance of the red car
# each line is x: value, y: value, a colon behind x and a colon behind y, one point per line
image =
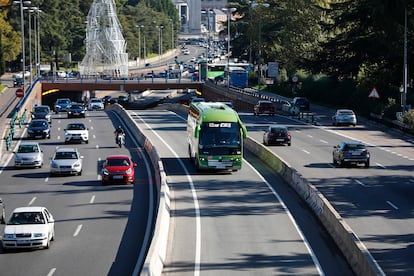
x: 118, y: 169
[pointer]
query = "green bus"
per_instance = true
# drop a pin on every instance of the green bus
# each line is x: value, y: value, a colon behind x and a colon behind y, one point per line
x: 215, y: 136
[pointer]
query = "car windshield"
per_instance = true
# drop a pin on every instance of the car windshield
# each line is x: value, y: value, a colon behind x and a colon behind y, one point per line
x: 354, y: 147
x: 279, y: 130
x: 63, y: 101
x: 346, y: 112
x: 26, y: 218
x: 38, y: 123
x: 265, y: 104
x: 117, y: 162
x: 41, y: 109
x: 27, y: 149
x: 76, y: 127
x: 65, y: 155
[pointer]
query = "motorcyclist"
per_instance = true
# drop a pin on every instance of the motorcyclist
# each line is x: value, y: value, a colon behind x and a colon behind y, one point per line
x: 118, y: 131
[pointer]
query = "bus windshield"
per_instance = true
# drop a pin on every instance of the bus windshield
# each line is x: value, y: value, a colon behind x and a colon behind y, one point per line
x: 219, y: 135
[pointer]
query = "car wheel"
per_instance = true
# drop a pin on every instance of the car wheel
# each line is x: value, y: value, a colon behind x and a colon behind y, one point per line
x: 289, y: 144
x: 87, y: 141
x: 367, y: 164
x: 47, y: 246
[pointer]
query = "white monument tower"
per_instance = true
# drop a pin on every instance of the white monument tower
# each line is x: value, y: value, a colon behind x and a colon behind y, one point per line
x: 105, y: 44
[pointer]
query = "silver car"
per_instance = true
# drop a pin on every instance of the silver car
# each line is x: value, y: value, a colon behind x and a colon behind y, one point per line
x: 28, y: 154
x: 344, y: 117
x: 66, y: 161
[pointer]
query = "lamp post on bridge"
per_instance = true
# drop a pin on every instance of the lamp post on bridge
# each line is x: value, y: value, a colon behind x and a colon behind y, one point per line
x: 22, y: 3
x: 229, y: 14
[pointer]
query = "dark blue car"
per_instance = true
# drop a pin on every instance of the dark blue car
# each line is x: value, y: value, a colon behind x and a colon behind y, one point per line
x: 61, y: 105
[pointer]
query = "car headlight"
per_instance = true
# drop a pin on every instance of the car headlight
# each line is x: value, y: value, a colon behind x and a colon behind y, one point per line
x: 105, y: 172
x: 8, y: 236
x: 77, y: 164
x: 39, y: 235
x: 54, y: 164
x: 30, y: 130
x: 128, y: 171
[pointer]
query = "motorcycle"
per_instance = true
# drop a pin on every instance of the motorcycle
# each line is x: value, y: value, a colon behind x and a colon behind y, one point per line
x: 120, y: 139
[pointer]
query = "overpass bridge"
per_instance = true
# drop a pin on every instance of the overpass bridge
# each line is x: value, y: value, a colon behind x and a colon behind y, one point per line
x: 74, y: 85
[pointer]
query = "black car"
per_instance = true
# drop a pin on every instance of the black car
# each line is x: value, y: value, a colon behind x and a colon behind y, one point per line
x: 277, y: 135
x: 42, y: 112
x: 76, y: 110
x: 351, y: 153
x: 38, y: 128
x: 302, y: 103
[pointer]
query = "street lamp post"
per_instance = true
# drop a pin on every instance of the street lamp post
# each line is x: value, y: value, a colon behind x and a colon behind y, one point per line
x: 139, y: 44
x: 172, y: 34
x: 22, y: 3
x: 38, y: 11
x: 229, y: 14
x: 30, y: 11
x: 259, y: 54
x: 405, y: 67
x: 160, y: 27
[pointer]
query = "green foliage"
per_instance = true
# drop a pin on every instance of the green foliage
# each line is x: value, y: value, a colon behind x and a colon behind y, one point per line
x: 62, y: 27
x: 408, y: 118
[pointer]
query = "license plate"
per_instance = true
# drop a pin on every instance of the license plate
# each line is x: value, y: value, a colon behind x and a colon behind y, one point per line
x: 23, y: 241
x: 118, y: 177
x: 280, y: 140
x: 356, y: 153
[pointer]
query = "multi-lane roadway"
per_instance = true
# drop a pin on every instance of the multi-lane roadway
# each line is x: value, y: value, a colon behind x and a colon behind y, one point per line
x: 100, y: 230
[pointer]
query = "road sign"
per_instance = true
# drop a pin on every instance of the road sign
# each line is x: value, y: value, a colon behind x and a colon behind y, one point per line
x: 19, y: 92
x: 374, y: 94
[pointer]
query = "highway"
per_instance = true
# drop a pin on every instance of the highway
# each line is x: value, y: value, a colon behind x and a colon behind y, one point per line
x: 244, y: 223
x: 100, y: 230
x: 376, y: 202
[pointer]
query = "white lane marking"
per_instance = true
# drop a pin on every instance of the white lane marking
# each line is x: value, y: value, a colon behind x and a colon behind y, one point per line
x: 392, y: 205
x: 310, y: 136
x: 360, y: 183
x: 52, y: 271
x: 47, y: 179
x: 97, y: 146
x: 379, y: 165
x: 92, y: 199
x: 32, y: 201
x: 305, y: 151
x: 287, y: 211
x: 323, y: 141
x: 197, y: 256
x: 93, y: 136
x: 58, y: 137
x: 77, y: 230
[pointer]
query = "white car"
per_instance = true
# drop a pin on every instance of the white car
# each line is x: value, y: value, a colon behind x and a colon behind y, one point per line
x: 96, y: 104
x: 66, y: 161
x: 28, y: 154
x: 76, y: 132
x: 29, y: 227
x: 344, y: 117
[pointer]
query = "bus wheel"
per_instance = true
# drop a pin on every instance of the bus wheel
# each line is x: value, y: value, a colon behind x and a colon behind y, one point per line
x: 189, y: 152
x: 196, y: 163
